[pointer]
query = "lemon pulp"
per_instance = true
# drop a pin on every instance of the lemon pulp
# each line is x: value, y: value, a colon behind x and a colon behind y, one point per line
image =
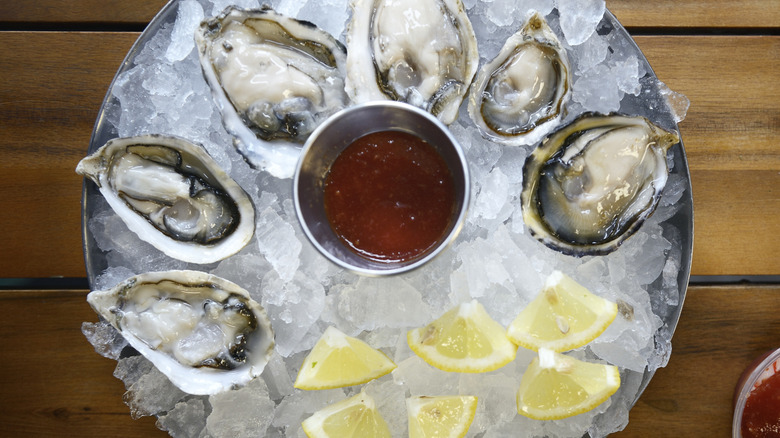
x: 440, y: 417
x: 465, y: 339
x: 338, y: 360
x: 556, y: 386
x: 355, y: 417
x: 564, y: 316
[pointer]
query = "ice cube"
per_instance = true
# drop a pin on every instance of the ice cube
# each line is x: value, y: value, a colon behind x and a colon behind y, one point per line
x: 492, y: 196
x: 189, y: 15
x: 496, y: 393
x: 626, y: 73
x: 247, y: 411
x: 597, y: 90
x: 678, y: 103
x: 277, y: 241
x: 590, y: 53
x: 390, y: 399
x: 130, y: 369
x: 328, y: 15
x: 301, y: 405
x: 220, y: 5
x: 186, y: 419
x: 152, y: 394
x: 105, y: 338
x: 292, y: 308
x: 628, y: 341
x: 111, y: 277
x: 496, y: 12
x: 376, y: 302
x: 419, y: 378
x: 277, y: 377
x: 579, y: 18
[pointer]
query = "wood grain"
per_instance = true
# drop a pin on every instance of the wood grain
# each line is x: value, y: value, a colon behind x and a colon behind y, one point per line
x: 696, y: 13
x: 734, y: 118
x: 52, y: 85
x: 62, y: 387
x: 631, y: 13
x: 721, y: 331
x: 730, y: 136
x: 53, y: 383
x: 80, y: 11
x: 736, y: 226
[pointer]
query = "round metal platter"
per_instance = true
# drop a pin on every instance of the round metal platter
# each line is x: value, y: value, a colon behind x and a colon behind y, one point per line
x: 649, y: 103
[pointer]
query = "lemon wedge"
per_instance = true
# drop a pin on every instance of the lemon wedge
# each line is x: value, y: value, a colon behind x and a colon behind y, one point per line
x: 564, y: 316
x: 440, y: 417
x: 338, y: 360
x: 465, y: 339
x: 556, y: 386
x: 355, y: 417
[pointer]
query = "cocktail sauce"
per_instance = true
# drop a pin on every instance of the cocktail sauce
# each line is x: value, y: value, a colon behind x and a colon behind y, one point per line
x: 761, y: 417
x: 390, y: 196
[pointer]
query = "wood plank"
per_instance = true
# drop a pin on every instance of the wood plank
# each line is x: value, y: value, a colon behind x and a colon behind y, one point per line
x: 734, y: 119
x: 721, y: 331
x: 735, y: 220
x: 696, y: 13
x: 80, y: 11
x: 52, y: 85
x: 730, y: 137
x: 51, y: 88
x: 639, y: 13
x: 54, y: 384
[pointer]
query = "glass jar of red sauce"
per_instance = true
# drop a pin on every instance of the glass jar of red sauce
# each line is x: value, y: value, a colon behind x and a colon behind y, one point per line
x: 757, y: 399
x: 381, y: 188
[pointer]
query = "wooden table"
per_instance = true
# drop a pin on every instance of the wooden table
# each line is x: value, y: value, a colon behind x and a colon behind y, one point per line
x: 58, y: 57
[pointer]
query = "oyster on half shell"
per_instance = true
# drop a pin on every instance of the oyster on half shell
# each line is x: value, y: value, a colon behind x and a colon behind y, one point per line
x: 519, y: 96
x: 421, y: 52
x: 591, y: 184
x: 274, y: 79
x: 206, y: 334
x: 172, y: 194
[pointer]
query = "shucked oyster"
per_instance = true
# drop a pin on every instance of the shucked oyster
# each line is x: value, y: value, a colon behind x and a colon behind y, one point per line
x: 590, y: 185
x: 519, y: 96
x: 172, y: 194
x: 422, y: 52
x: 203, y: 332
x: 274, y: 79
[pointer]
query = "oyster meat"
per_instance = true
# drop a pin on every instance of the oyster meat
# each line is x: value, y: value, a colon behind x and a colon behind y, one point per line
x: 274, y: 79
x: 591, y: 184
x: 172, y: 194
x: 422, y: 52
x: 519, y: 96
x: 206, y: 334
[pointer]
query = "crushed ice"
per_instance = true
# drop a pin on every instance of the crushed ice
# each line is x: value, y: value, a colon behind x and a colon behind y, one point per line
x: 493, y: 260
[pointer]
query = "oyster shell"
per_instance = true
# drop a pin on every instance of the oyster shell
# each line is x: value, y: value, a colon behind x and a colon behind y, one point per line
x: 172, y: 194
x: 519, y: 96
x: 591, y: 184
x: 206, y: 334
x: 422, y: 52
x: 274, y: 79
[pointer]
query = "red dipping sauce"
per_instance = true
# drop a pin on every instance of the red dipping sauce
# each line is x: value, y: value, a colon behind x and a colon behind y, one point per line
x: 390, y: 196
x: 761, y: 417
